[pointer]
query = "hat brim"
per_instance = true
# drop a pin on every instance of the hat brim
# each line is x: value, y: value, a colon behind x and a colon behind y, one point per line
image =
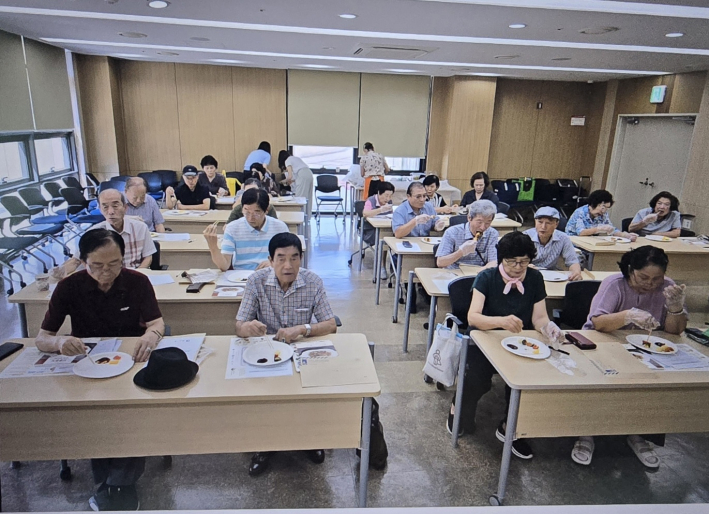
x: 139, y: 379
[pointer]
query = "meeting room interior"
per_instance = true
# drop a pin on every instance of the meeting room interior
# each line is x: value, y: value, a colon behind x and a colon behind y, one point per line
x: 435, y: 256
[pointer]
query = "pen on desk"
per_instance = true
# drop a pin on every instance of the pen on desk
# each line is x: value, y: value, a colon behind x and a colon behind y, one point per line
x: 560, y: 351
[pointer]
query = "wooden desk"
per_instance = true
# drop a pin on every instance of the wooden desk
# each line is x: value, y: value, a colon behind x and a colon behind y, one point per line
x: 209, y: 415
x: 687, y: 261
x: 185, y: 312
x: 432, y: 280
x: 281, y: 203
x: 548, y: 403
x: 196, y: 224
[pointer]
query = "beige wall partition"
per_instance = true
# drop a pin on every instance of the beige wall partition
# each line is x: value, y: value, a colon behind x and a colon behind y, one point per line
x: 437, y: 151
x: 15, y: 108
x: 696, y: 186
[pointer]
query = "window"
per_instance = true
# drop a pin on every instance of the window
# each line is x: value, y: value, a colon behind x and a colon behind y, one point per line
x: 328, y: 157
x: 13, y: 162
x: 53, y: 155
x: 404, y: 163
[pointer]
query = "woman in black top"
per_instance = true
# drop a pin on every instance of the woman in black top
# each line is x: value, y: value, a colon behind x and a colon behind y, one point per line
x: 480, y: 183
x: 432, y: 184
x: 215, y: 182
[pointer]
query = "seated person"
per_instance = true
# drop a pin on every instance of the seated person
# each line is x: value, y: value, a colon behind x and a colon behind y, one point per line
x: 592, y: 219
x: 472, y: 243
x: 376, y: 205
x: 245, y: 244
x: 141, y: 205
x: 415, y: 217
x: 640, y: 297
x: 662, y: 218
x: 480, y: 183
x: 282, y: 300
x: 432, y: 184
x: 215, y: 182
x: 190, y: 195
x: 510, y: 297
x: 252, y: 183
x: 105, y: 300
x: 551, y: 244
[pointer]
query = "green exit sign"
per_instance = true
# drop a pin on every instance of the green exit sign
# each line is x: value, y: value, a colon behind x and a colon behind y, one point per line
x: 658, y: 94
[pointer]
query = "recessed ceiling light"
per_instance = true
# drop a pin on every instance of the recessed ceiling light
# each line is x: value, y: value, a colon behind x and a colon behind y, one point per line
x: 399, y: 70
x: 133, y: 35
x: 598, y: 30
x: 168, y: 53
x: 675, y: 34
x: 158, y: 4
x: 348, y: 16
x: 317, y: 66
x: 199, y: 38
x: 561, y: 58
x: 518, y: 26
x: 506, y: 56
x: 227, y: 61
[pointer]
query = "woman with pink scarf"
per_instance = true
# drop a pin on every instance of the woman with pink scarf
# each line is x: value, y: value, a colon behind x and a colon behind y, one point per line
x: 510, y: 296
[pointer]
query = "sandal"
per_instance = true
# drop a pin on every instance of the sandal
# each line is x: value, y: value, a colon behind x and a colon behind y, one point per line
x: 583, y: 450
x: 644, y: 451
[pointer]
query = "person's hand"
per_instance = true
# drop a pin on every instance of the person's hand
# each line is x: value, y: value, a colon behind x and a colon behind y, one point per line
x: 454, y: 209
x: 553, y: 333
x: 422, y: 218
x: 253, y: 328
x: 143, y: 350
x: 675, y: 296
x: 264, y: 264
x: 69, y: 267
x: 222, y: 192
x: 650, y: 218
x: 632, y: 237
x: 575, y: 275
x: 605, y: 229
x: 440, y: 225
x: 468, y: 247
x: 511, y: 323
x: 387, y: 207
x: 641, y: 319
x: 210, y: 234
x: 288, y: 335
x: 70, y: 345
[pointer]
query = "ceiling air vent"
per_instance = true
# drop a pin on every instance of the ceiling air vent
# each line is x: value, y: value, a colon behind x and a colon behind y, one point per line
x: 390, y: 52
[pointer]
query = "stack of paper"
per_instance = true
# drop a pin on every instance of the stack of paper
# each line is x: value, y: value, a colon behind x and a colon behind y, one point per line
x: 236, y: 367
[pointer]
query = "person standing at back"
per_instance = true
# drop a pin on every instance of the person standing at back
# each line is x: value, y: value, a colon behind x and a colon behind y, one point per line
x: 299, y: 174
x: 374, y: 166
x: 261, y: 155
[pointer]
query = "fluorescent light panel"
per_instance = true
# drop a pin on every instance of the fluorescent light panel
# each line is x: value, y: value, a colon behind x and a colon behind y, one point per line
x: 62, y: 41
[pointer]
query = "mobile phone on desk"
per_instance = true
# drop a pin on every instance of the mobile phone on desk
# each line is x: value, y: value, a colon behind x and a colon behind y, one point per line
x: 407, y: 244
x: 7, y: 349
x: 195, y: 288
x: 580, y: 341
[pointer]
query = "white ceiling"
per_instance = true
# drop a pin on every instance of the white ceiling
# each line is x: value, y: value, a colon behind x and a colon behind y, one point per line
x: 461, y: 36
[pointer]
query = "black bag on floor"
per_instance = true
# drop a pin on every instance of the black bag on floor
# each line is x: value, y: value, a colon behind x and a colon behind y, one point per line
x: 378, y: 451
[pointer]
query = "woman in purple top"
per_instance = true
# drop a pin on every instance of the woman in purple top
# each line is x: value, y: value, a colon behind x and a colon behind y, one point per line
x: 642, y: 297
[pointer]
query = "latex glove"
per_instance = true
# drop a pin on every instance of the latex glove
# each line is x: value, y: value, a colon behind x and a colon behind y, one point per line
x: 210, y: 234
x: 264, y: 264
x: 575, y: 274
x: 675, y: 296
x: 605, y: 229
x: 440, y: 225
x: 650, y: 218
x: 641, y: 319
x: 511, y: 323
x: 222, y: 192
x: 422, y: 218
x: 387, y: 207
x: 468, y: 247
x: 553, y: 333
x: 632, y: 237
x: 69, y: 345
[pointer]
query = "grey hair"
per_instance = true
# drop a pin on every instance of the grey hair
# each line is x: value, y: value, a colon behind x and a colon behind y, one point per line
x: 135, y: 182
x: 484, y: 208
x: 123, y: 197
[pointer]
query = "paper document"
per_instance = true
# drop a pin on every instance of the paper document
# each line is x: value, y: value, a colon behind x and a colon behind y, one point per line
x: 233, y: 291
x: 161, y: 279
x: 185, y: 213
x: 686, y: 359
x: 334, y: 372
x: 190, y: 344
x: 170, y: 236
x: 500, y: 216
x: 414, y: 247
x: 203, y: 275
x: 237, y: 368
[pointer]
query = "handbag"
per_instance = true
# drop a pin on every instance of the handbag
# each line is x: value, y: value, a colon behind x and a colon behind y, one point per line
x: 443, y: 358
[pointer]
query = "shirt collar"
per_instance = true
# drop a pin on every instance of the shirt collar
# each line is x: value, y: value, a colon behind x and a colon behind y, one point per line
x: 127, y: 226
x: 118, y: 285
x: 534, y: 236
x: 263, y: 229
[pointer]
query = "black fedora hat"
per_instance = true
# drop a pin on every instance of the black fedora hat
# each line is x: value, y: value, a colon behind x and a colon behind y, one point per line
x: 168, y: 368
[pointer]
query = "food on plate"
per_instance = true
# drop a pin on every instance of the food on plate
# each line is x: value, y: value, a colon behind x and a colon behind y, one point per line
x: 664, y: 348
x: 512, y: 346
x: 647, y: 344
x: 534, y: 347
x: 478, y: 235
x: 103, y: 360
x: 262, y: 360
x: 277, y: 357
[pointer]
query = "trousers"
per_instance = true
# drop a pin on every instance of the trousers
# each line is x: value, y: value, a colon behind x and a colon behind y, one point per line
x: 118, y: 472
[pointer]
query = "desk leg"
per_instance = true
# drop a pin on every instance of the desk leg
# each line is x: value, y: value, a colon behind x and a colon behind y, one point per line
x: 361, y: 242
x: 397, y: 288
x: 23, y: 320
x: 589, y: 260
x: 377, y: 275
x: 431, y: 330
x: 408, y: 311
x: 377, y: 257
x: 459, y: 391
x: 510, y: 429
x: 364, y: 451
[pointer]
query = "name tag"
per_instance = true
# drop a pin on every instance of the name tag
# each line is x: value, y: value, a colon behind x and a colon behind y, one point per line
x: 123, y: 309
x: 302, y: 310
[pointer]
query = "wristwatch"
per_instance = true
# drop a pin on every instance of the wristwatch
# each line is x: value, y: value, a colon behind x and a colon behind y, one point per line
x: 308, y: 328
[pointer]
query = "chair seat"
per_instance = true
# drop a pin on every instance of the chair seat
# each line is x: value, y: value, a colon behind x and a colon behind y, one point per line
x: 39, y: 230
x: 48, y: 220
x: 88, y: 218
x: 17, y: 243
x: 329, y: 198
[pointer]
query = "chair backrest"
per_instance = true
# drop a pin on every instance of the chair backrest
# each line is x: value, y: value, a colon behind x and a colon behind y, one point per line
x: 112, y: 184
x: 155, y: 263
x: 120, y: 178
x: 92, y: 180
x: 577, y: 302
x: 562, y: 223
x: 53, y: 189
x: 74, y: 196
x: 497, y: 185
x: 167, y: 177
x: 72, y: 182
x: 153, y: 182
x: 625, y: 224
x: 460, y: 292
x: 14, y: 205
x: 32, y: 196
x: 458, y: 220
x: 327, y: 184
x: 503, y: 208
x: 359, y: 208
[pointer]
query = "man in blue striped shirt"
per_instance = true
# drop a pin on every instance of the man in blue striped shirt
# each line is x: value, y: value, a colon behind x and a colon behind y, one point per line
x: 245, y: 244
x: 551, y: 244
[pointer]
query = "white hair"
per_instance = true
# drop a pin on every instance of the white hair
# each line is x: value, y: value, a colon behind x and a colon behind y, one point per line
x: 484, y: 208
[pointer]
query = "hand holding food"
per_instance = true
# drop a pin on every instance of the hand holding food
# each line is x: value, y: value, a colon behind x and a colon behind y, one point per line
x: 511, y: 323
x: 675, y: 296
x: 254, y: 329
x: 468, y: 247
x: 641, y: 319
x: 210, y: 234
x: 650, y: 218
x: 605, y: 229
x: 422, y: 218
x: 387, y: 207
x: 288, y: 335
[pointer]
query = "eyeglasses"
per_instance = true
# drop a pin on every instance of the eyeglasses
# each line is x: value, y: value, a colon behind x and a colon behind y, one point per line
x: 516, y: 264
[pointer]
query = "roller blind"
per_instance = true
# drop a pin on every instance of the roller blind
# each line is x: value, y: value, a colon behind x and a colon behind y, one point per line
x: 323, y: 108
x: 15, y: 108
x: 51, y: 97
x: 394, y: 114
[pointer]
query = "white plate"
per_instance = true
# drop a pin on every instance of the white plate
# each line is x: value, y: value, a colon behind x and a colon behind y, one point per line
x: 268, y: 351
x: 432, y: 240
x: 616, y: 239
x: 239, y: 275
x: 514, y: 345
x: 663, y: 239
x: 639, y: 339
x: 103, y: 365
x: 318, y: 353
x: 553, y: 276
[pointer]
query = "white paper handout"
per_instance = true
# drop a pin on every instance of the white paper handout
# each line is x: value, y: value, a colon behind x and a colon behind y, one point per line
x: 414, y: 247
x: 190, y: 344
x: 170, y: 236
x: 237, y: 368
x: 686, y: 359
x: 161, y: 279
x: 185, y: 213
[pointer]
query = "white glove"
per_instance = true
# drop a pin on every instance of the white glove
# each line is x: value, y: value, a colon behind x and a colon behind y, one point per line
x: 675, y: 296
x: 641, y: 319
x: 553, y: 334
x: 468, y: 247
x: 605, y: 229
x: 650, y: 218
x: 387, y: 207
x: 422, y: 218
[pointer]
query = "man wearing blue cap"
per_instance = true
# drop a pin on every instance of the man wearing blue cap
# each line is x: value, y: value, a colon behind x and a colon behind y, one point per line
x: 191, y: 195
x: 552, y: 244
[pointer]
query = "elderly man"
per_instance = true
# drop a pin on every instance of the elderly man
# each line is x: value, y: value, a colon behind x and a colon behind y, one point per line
x: 552, y: 244
x: 472, y: 243
x: 105, y: 300
x: 236, y: 212
x: 415, y: 217
x: 141, y: 205
x: 245, y: 244
x: 191, y: 195
x: 282, y: 300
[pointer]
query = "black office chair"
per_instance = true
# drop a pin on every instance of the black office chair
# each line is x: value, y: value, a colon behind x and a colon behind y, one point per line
x: 577, y: 303
x: 33, y: 197
x: 460, y: 292
x: 503, y: 208
x: 458, y: 220
x: 73, y: 182
x: 167, y: 177
x: 359, y: 209
x: 17, y: 207
x: 52, y: 189
x: 328, y: 184
x: 120, y: 185
x: 155, y: 263
x: 12, y: 247
x: 625, y: 224
x: 153, y: 184
x: 563, y: 220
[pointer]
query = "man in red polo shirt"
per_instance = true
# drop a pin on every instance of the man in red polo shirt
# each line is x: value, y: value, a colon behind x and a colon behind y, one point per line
x: 104, y: 300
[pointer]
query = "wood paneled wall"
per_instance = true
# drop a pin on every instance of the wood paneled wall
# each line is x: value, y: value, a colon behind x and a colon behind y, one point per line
x: 696, y: 186
x: 437, y: 150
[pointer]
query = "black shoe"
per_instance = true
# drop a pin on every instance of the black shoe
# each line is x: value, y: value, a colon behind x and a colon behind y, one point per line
x: 124, y: 498
x: 100, y: 501
x: 259, y: 463
x: 316, y: 456
x: 520, y: 447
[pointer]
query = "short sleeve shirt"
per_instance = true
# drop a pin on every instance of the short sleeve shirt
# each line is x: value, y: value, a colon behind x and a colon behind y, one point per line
x: 249, y: 246
x: 219, y: 181
x: 296, y: 163
x: 149, y: 212
x: 404, y: 213
x: 373, y: 164
x: 237, y: 213
x: 490, y: 283
x: 188, y: 197
x: 454, y: 237
x: 671, y: 222
x: 559, y: 245
x: 260, y: 156
x: 437, y: 200
x: 581, y: 220
x: 136, y: 236
x: 265, y: 300
x: 122, y: 311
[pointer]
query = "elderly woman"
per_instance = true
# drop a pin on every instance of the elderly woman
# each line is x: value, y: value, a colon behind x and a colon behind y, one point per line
x: 480, y: 184
x: 510, y: 297
x: 641, y: 297
x: 432, y: 184
x: 593, y: 220
x: 299, y: 174
x: 474, y: 242
x: 661, y: 218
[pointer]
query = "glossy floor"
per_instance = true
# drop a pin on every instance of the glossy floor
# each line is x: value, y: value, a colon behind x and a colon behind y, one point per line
x: 423, y: 469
